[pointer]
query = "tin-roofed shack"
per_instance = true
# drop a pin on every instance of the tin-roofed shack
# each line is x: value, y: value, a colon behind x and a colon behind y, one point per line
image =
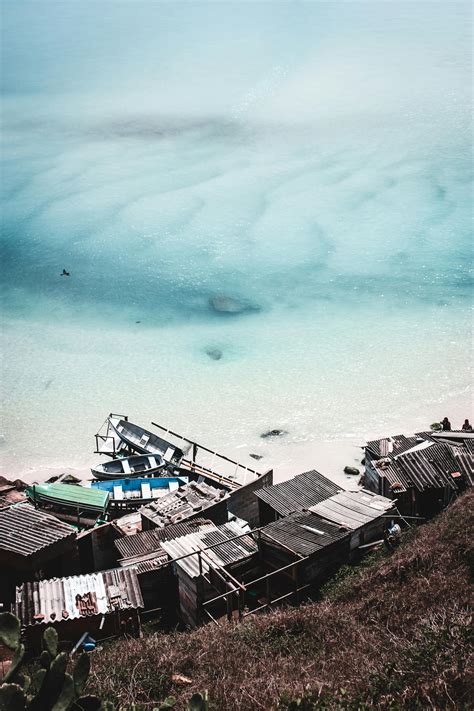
x: 103, y: 604
x: 423, y: 478
x: 144, y: 553
x: 188, y: 502
x: 363, y: 513
x: 33, y: 544
x: 296, y: 494
x: 304, y: 548
x: 208, y: 564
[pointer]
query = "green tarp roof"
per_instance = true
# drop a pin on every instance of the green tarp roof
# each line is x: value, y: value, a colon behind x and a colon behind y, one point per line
x: 69, y: 495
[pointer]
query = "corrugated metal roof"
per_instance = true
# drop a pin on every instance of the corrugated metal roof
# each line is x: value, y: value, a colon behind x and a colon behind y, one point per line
x: 146, y: 561
x: 181, y: 504
x: 469, y: 444
x: 26, y: 531
x: 353, y: 509
x: 69, y: 495
x: 392, y: 446
x: 299, y: 493
x: 77, y: 596
x: 218, y: 557
x: 303, y: 533
x: 431, y: 467
x: 149, y: 541
x: 465, y: 459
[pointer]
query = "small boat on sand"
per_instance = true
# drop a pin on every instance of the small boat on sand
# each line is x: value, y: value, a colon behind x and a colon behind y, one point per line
x: 138, y: 465
x: 144, y: 442
x: 129, y: 494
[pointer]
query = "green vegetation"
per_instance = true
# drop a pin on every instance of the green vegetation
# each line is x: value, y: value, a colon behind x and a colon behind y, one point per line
x: 50, y: 688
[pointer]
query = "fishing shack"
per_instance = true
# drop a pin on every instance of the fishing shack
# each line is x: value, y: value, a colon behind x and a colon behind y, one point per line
x: 144, y: 553
x: 208, y: 566
x: 423, y: 479
x: 364, y: 514
x: 297, y: 494
x: 101, y: 604
x: 303, y: 550
x: 33, y: 544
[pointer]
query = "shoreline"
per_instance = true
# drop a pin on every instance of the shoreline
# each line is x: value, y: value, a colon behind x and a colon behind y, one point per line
x: 285, y: 456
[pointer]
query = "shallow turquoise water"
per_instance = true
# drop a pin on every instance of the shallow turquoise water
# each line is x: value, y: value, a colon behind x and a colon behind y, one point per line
x: 312, y: 161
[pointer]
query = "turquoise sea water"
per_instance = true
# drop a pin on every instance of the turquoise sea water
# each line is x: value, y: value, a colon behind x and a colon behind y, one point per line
x: 312, y: 161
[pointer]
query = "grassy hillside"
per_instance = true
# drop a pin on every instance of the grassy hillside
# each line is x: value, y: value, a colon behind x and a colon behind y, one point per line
x: 394, y: 633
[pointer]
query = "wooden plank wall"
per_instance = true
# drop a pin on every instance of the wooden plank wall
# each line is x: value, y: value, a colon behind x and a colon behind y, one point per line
x: 243, y: 502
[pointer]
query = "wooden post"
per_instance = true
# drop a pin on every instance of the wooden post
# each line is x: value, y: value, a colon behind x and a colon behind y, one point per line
x: 295, y: 577
x: 241, y: 602
x: 228, y: 600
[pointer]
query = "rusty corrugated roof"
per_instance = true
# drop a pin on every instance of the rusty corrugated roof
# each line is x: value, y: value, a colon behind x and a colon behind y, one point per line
x: 392, y: 446
x: 430, y: 466
x: 77, y: 596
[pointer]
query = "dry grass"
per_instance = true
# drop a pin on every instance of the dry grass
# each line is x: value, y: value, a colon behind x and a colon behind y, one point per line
x: 395, y: 634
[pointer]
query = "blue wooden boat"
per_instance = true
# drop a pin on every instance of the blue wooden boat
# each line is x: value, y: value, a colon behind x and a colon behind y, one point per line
x: 130, y: 494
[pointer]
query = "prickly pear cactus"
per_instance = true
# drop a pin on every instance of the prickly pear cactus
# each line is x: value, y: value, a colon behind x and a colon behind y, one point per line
x: 51, y: 688
x: 199, y: 702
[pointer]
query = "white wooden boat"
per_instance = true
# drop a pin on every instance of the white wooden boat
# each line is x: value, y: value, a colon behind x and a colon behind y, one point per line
x: 144, y: 442
x: 136, y: 466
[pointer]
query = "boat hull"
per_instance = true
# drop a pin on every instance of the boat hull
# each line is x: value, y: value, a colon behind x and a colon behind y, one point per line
x: 135, y: 467
x: 145, y: 442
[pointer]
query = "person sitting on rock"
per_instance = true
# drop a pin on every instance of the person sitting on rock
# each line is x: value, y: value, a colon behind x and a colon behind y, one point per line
x: 467, y: 427
x: 446, y: 424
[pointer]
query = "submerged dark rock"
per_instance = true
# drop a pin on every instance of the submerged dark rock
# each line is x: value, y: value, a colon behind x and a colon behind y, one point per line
x: 273, y: 433
x: 228, y: 305
x: 352, y: 470
x: 256, y: 456
x: 214, y: 353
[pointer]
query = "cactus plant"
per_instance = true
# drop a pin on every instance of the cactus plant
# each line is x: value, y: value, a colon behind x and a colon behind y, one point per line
x: 199, y: 702
x: 51, y: 688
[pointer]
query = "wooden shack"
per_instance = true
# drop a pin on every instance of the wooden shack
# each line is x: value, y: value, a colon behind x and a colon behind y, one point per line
x: 102, y: 604
x: 144, y: 553
x: 33, y: 544
x: 209, y: 564
x: 304, y: 548
x: 296, y: 494
x: 364, y: 514
x: 423, y: 478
